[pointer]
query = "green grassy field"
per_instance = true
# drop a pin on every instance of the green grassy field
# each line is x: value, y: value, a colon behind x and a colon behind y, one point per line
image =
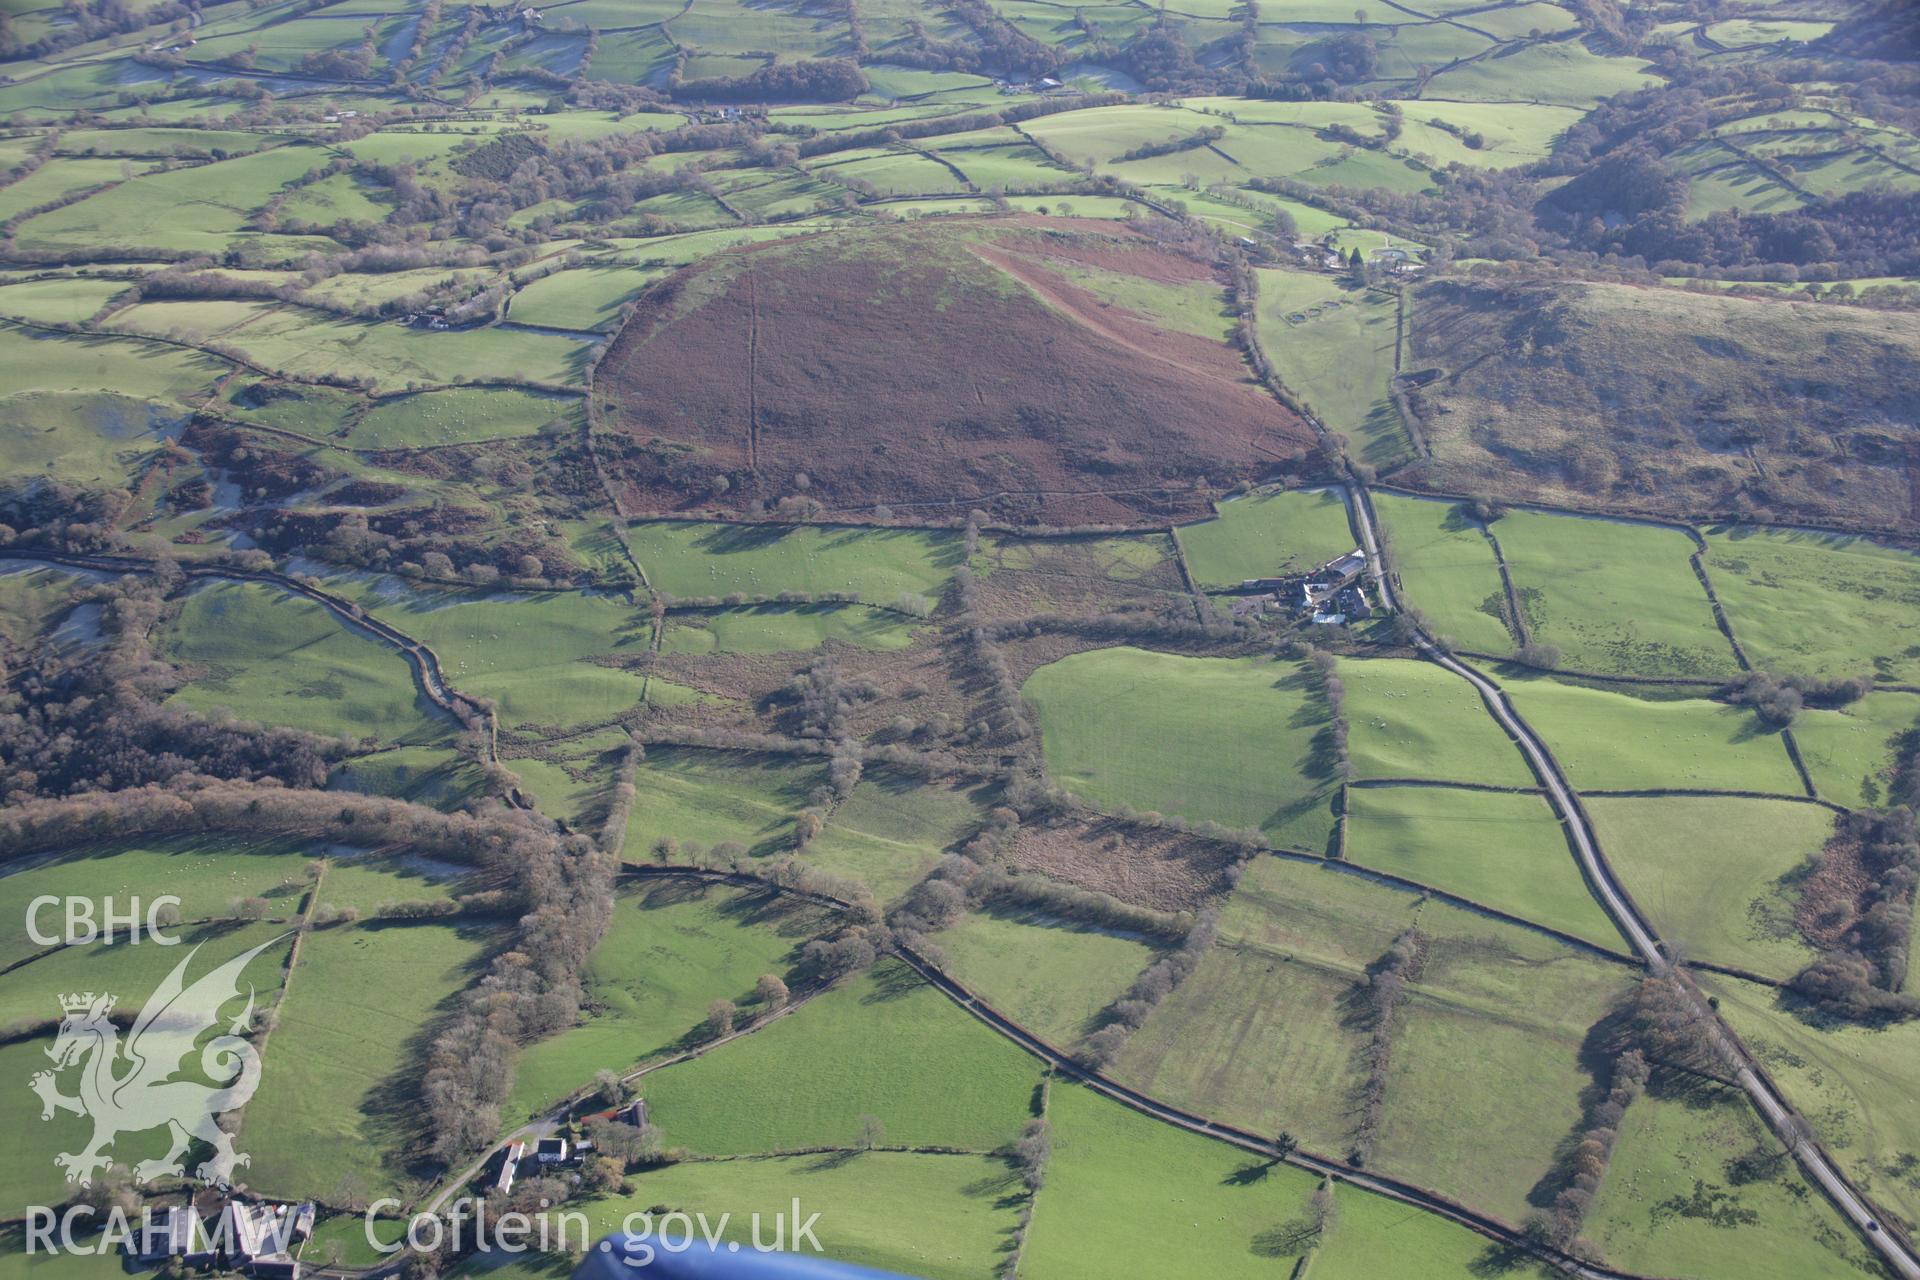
x: 1268, y: 1032
x: 33, y: 1178
x: 945, y: 1217
x: 198, y: 210
x: 1332, y: 345
x: 63, y: 301
x: 866, y: 1048
x: 305, y: 410
x: 341, y: 197
x: 1128, y: 1195
x: 1614, y: 741
x: 432, y: 776
x: 56, y: 180
x: 206, y: 873
x: 1672, y: 1193
x: 366, y: 882
x: 1190, y: 306
x: 1613, y: 597
x: 1259, y: 1037
x: 342, y: 1239
x: 587, y: 298
x: 714, y: 560
x: 1851, y: 752
x: 461, y: 415
x: 1562, y: 74
x: 529, y: 652
x: 1121, y: 726
x: 1051, y: 976
x: 708, y: 798
x: 308, y: 343
x: 282, y: 660
x: 1449, y: 569
x: 560, y: 790
x: 1376, y: 1237
x: 1513, y: 1009
x: 1818, y: 604
x: 337, y: 1103
x: 672, y: 950
x: 85, y: 410
x: 1410, y: 719
x: 1266, y: 535
x: 131, y: 971
x: 1855, y: 1084
x: 893, y: 830
x: 786, y: 629
x: 1717, y: 874
x: 1507, y: 851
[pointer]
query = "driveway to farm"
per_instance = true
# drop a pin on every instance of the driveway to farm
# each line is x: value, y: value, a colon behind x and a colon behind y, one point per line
x: 1620, y: 906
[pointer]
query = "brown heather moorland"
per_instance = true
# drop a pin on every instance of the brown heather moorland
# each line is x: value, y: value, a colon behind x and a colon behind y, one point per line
x: 932, y: 370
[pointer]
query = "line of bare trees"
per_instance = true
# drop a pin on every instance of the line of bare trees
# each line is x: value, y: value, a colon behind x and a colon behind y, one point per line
x: 1586, y: 1164
x: 531, y: 989
x: 613, y: 829
x: 1325, y: 667
x: 1384, y: 992
x: 1125, y: 1015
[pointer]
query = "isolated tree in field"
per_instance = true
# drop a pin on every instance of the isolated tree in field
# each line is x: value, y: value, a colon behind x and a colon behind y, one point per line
x: 1032, y: 1151
x: 1535, y: 654
x: 872, y: 1132
x: 770, y: 991
x: 720, y: 1016
x: 806, y: 825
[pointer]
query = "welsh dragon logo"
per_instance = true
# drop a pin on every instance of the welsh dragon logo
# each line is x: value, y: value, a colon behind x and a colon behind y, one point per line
x: 128, y: 1088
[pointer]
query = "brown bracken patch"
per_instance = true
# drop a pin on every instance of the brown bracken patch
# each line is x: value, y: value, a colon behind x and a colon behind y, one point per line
x: 1164, y: 870
x: 1831, y: 895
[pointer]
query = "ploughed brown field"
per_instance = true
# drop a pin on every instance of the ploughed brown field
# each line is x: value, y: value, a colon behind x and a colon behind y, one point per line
x: 932, y: 370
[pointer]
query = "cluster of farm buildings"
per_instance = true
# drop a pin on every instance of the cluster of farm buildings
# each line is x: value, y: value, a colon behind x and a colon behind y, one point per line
x: 1331, y: 595
x: 257, y: 1238
x: 551, y: 1153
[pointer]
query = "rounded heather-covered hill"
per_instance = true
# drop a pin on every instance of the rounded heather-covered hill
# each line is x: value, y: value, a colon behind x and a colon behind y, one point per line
x: 1072, y: 373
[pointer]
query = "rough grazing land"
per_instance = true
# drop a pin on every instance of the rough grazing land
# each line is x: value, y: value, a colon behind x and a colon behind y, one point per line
x: 1668, y: 401
x: 930, y: 367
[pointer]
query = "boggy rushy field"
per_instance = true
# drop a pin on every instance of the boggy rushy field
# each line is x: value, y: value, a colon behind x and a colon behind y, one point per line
x: 921, y: 368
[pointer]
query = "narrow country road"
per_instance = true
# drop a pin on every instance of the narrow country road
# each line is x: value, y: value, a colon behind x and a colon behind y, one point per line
x: 1620, y: 907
